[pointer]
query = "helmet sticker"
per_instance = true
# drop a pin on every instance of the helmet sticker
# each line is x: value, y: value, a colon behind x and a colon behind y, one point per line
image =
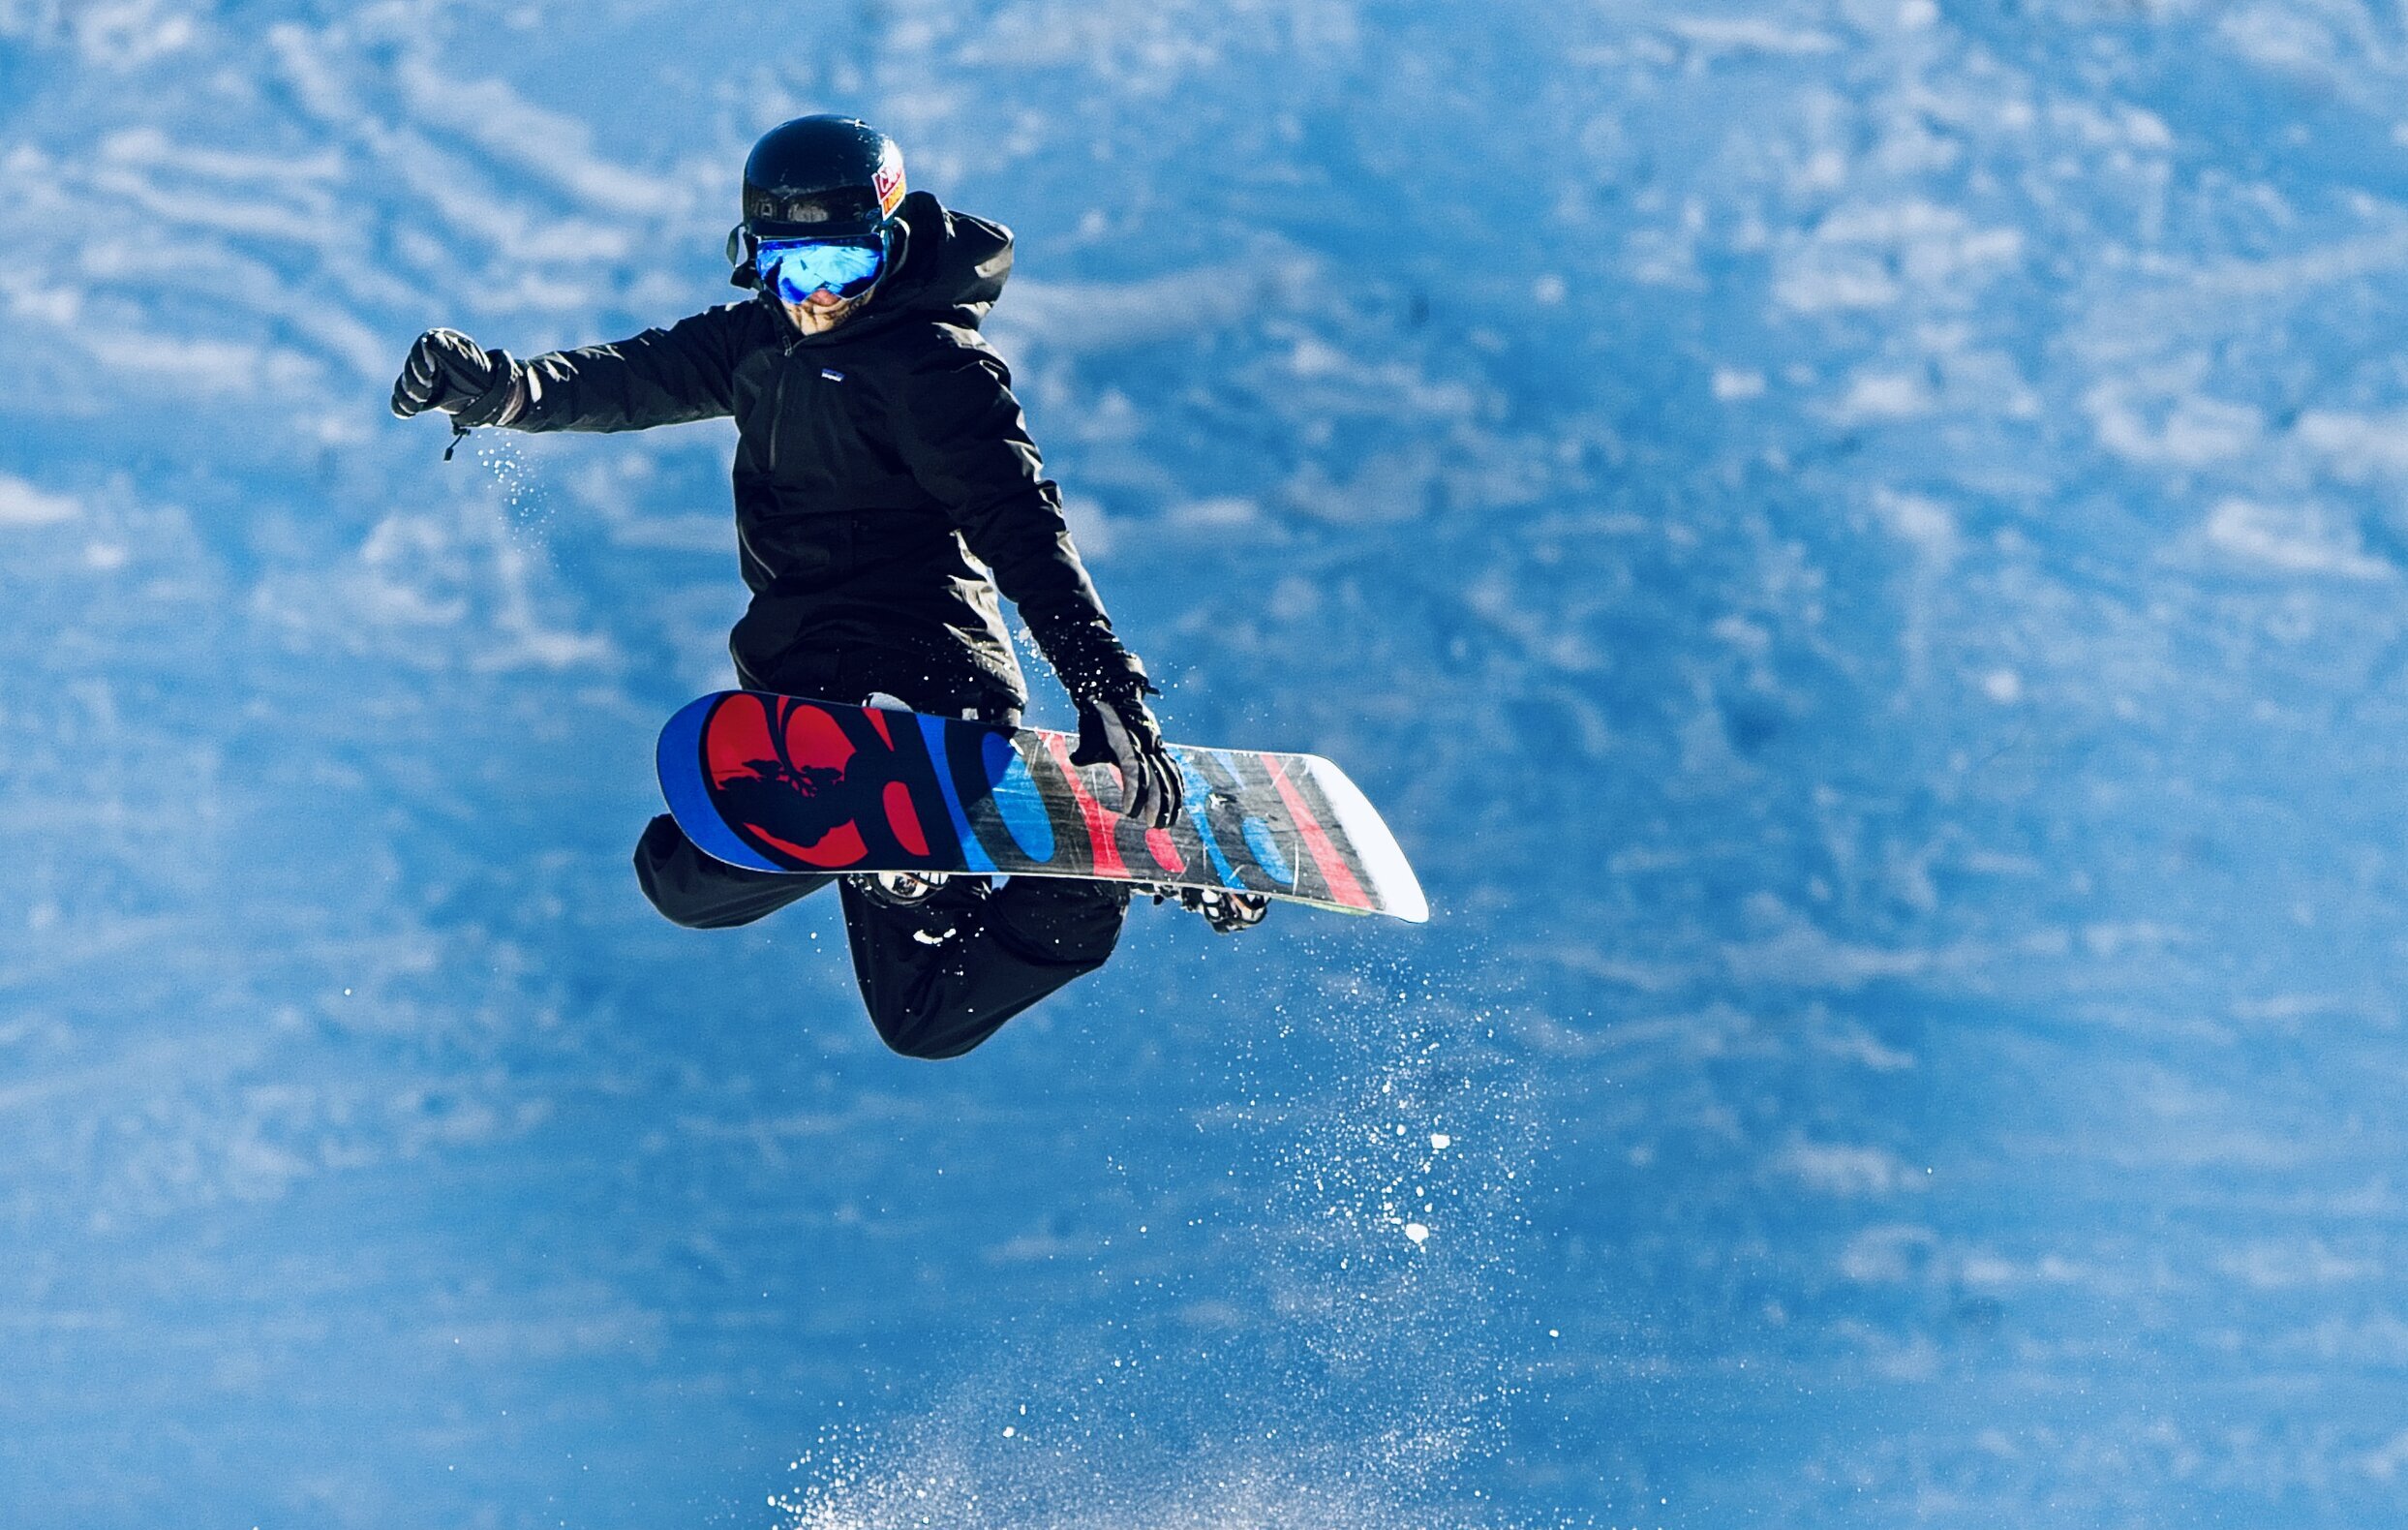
x: 889, y: 183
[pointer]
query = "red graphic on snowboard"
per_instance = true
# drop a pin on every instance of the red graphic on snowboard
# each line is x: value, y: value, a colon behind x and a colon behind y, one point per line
x: 790, y: 770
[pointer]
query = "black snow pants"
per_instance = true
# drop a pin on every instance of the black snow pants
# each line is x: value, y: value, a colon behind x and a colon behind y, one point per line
x: 941, y: 976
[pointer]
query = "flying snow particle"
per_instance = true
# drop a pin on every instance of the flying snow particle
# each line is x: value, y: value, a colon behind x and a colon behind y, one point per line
x: 1439, y: 1141
x: 1417, y: 1232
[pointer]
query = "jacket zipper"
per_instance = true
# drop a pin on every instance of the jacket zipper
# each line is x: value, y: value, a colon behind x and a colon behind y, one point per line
x: 778, y: 412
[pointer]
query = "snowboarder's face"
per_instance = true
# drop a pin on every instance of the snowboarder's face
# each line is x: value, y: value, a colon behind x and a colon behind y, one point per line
x: 820, y: 284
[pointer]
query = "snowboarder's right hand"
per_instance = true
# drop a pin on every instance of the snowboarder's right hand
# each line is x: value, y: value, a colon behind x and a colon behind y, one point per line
x: 1121, y: 731
x: 449, y: 370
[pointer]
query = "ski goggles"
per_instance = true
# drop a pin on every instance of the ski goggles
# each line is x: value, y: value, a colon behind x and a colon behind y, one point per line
x: 795, y: 268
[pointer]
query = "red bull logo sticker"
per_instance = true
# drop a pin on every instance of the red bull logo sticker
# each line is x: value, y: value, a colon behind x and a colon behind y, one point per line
x: 888, y: 182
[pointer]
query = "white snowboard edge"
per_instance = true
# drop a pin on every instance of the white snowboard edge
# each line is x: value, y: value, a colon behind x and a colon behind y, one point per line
x: 1397, y: 889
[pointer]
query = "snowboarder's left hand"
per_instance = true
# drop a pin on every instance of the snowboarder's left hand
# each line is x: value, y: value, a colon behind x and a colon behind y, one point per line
x: 1121, y: 731
x: 449, y: 370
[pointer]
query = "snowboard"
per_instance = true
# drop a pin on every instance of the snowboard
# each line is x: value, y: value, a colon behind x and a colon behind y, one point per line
x: 787, y: 783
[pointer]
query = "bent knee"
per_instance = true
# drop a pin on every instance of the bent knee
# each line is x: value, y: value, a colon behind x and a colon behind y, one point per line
x: 677, y: 906
x: 930, y: 1038
x: 686, y: 919
x: 696, y: 892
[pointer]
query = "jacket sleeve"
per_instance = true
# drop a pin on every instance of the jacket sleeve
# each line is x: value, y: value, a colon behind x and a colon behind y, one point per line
x: 661, y: 377
x: 966, y: 441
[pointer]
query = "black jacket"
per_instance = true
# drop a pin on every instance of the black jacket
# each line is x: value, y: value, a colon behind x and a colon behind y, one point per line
x: 877, y: 467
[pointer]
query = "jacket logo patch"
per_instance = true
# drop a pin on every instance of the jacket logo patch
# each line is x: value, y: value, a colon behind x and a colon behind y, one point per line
x: 832, y: 374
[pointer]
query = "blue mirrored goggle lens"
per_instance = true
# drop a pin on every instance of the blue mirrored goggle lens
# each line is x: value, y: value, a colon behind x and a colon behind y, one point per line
x: 795, y: 271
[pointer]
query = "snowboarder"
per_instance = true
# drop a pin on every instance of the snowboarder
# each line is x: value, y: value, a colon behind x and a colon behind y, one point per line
x: 886, y: 490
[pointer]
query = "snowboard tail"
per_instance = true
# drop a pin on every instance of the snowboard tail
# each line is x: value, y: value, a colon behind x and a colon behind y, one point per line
x: 787, y: 783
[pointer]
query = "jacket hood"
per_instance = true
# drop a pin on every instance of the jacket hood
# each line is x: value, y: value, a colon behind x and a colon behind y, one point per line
x: 955, y: 266
x: 954, y: 269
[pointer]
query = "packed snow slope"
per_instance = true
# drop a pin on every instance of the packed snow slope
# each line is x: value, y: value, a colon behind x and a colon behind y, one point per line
x: 1861, y: 547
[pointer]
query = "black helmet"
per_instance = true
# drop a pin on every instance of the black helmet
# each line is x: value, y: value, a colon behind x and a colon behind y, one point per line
x: 820, y: 177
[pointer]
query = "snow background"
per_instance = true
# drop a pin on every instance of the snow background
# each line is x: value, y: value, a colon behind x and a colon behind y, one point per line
x: 1859, y: 545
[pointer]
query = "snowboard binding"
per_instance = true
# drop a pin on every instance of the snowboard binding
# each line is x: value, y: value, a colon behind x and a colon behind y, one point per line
x: 1227, y: 912
x: 900, y: 889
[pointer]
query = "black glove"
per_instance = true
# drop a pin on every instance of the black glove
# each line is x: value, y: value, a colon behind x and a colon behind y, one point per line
x: 447, y: 371
x: 1120, y: 732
